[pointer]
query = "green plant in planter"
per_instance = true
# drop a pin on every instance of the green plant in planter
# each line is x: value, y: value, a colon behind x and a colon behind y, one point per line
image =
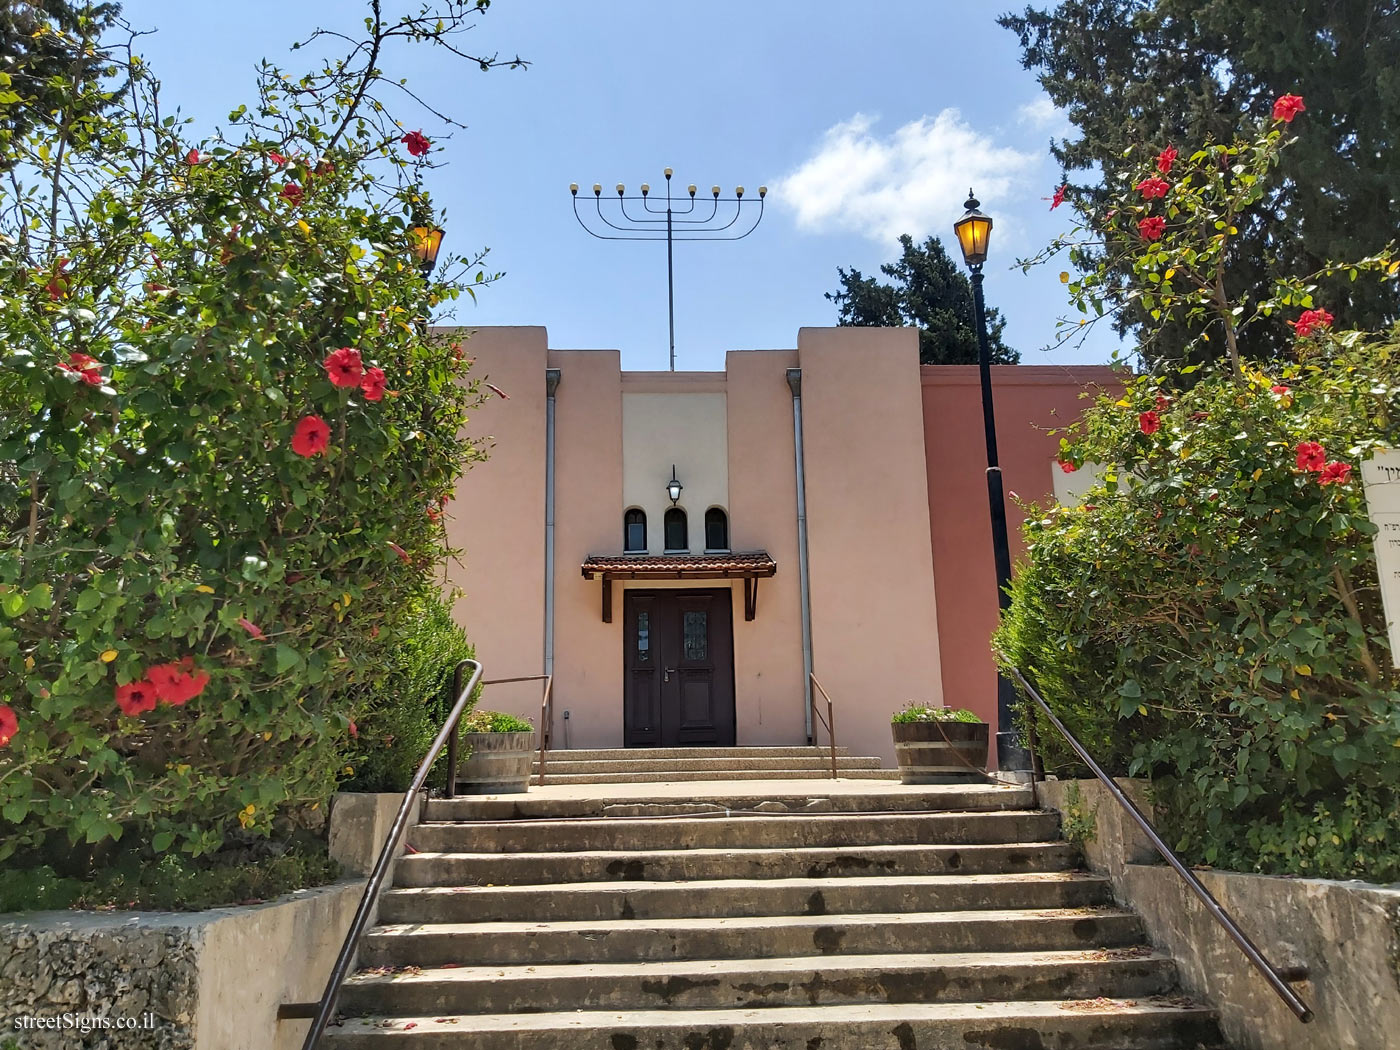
x: 495, y: 722
x: 922, y: 713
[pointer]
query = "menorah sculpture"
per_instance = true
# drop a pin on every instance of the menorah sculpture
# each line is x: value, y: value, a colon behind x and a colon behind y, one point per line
x: 681, y: 224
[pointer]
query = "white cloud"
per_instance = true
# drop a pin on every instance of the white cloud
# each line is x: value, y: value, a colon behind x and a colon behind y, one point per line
x: 912, y: 181
x: 1041, y: 113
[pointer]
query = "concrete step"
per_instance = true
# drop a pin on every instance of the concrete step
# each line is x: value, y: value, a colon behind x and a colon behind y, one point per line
x: 737, y: 833
x: 813, y: 764
x: 627, y: 754
x: 735, y: 773
x: 748, y: 984
x: 1037, y: 1025
x: 746, y: 937
x: 728, y: 898
x: 719, y: 798
x: 499, y: 869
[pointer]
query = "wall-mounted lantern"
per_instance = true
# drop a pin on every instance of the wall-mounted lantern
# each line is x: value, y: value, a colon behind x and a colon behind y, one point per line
x: 673, y: 487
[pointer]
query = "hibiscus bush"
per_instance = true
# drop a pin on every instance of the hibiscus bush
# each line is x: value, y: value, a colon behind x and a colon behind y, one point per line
x: 226, y: 439
x: 1210, y: 616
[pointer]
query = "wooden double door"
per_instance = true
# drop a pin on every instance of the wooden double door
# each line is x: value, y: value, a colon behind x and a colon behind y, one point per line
x: 678, y: 668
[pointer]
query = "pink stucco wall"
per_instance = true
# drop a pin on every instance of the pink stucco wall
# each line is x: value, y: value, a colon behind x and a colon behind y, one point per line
x: 763, y: 514
x: 875, y: 634
x: 1030, y: 400
x: 497, y: 517
x: 588, y: 520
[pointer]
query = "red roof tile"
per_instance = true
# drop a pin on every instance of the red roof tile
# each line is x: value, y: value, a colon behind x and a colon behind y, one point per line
x: 680, y: 566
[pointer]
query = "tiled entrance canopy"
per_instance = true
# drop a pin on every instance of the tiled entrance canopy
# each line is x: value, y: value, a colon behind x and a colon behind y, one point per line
x: 750, y: 566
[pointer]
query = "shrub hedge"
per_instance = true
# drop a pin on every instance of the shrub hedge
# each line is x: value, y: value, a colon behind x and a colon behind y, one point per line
x: 1210, y: 616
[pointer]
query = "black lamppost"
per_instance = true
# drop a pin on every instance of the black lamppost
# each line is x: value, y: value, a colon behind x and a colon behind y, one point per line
x: 974, y: 230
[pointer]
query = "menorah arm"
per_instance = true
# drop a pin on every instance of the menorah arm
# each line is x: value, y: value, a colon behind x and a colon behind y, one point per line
x: 703, y: 235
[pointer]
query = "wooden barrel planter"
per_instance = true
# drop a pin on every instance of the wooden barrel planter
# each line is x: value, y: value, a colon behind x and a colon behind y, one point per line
x: 499, y: 763
x: 940, y: 752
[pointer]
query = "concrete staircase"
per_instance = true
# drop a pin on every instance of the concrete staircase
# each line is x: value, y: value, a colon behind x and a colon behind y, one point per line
x: 656, y: 764
x: 877, y: 917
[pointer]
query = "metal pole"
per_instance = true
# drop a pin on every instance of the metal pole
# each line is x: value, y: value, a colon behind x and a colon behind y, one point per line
x: 1010, y: 754
x: 794, y: 378
x: 670, y: 276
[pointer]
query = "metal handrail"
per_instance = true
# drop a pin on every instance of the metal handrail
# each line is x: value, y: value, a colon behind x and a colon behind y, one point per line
x: 325, y: 1010
x: 1270, y: 973
x: 451, y: 791
x: 829, y: 721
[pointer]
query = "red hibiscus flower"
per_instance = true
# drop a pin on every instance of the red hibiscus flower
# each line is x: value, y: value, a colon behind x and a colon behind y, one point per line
x: 292, y: 194
x: 416, y: 142
x: 86, y: 368
x: 135, y: 698
x: 1153, y: 187
x: 344, y: 366
x: 177, y: 683
x: 276, y: 157
x: 1162, y: 403
x: 311, y: 437
x: 192, y: 158
x: 1066, y: 466
x: 354, y: 730
x: 1166, y: 159
x: 1286, y: 107
x: 1059, y: 197
x: 1280, y: 389
x: 57, y: 286
x: 1335, y: 474
x: 1311, y: 457
x: 1310, y: 320
x: 1149, y: 423
x: 324, y: 167
x: 1152, y: 227
x: 372, y: 385
x: 252, y: 628
x: 9, y: 724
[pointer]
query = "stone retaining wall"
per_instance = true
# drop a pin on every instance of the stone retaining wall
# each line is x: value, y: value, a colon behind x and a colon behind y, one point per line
x: 209, y: 980
x: 1346, y: 934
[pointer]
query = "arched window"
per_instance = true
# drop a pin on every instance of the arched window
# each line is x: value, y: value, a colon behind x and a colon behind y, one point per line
x: 716, y: 529
x: 677, y: 537
x: 634, y: 530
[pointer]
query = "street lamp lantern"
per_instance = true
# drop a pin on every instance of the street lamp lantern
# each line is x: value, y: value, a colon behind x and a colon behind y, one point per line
x: 424, y: 243
x: 673, y: 487
x: 974, y: 230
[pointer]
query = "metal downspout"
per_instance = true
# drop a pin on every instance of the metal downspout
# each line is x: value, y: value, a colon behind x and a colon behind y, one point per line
x: 794, y: 378
x: 551, y: 384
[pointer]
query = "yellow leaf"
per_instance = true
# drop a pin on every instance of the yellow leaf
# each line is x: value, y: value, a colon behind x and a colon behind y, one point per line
x: 108, y: 656
x: 1181, y: 501
x: 1064, y: 277
x: 29, y: 662
x: 1205, y: 337
x: 1123, y: 402
x: 301, y: 225
x: 204, y: 588
x: 1294, y: 694
x: 1303, y: 669
x: 1258, y: 473
x: 267, y: 736
x: 1169, y: 274
x: 346, y: 599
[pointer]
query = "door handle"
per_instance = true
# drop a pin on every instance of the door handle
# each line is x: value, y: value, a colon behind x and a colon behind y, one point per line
x: 669, y: 671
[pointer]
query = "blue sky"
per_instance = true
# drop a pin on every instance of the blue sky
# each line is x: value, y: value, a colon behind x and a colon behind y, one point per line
x: 864, y: 120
